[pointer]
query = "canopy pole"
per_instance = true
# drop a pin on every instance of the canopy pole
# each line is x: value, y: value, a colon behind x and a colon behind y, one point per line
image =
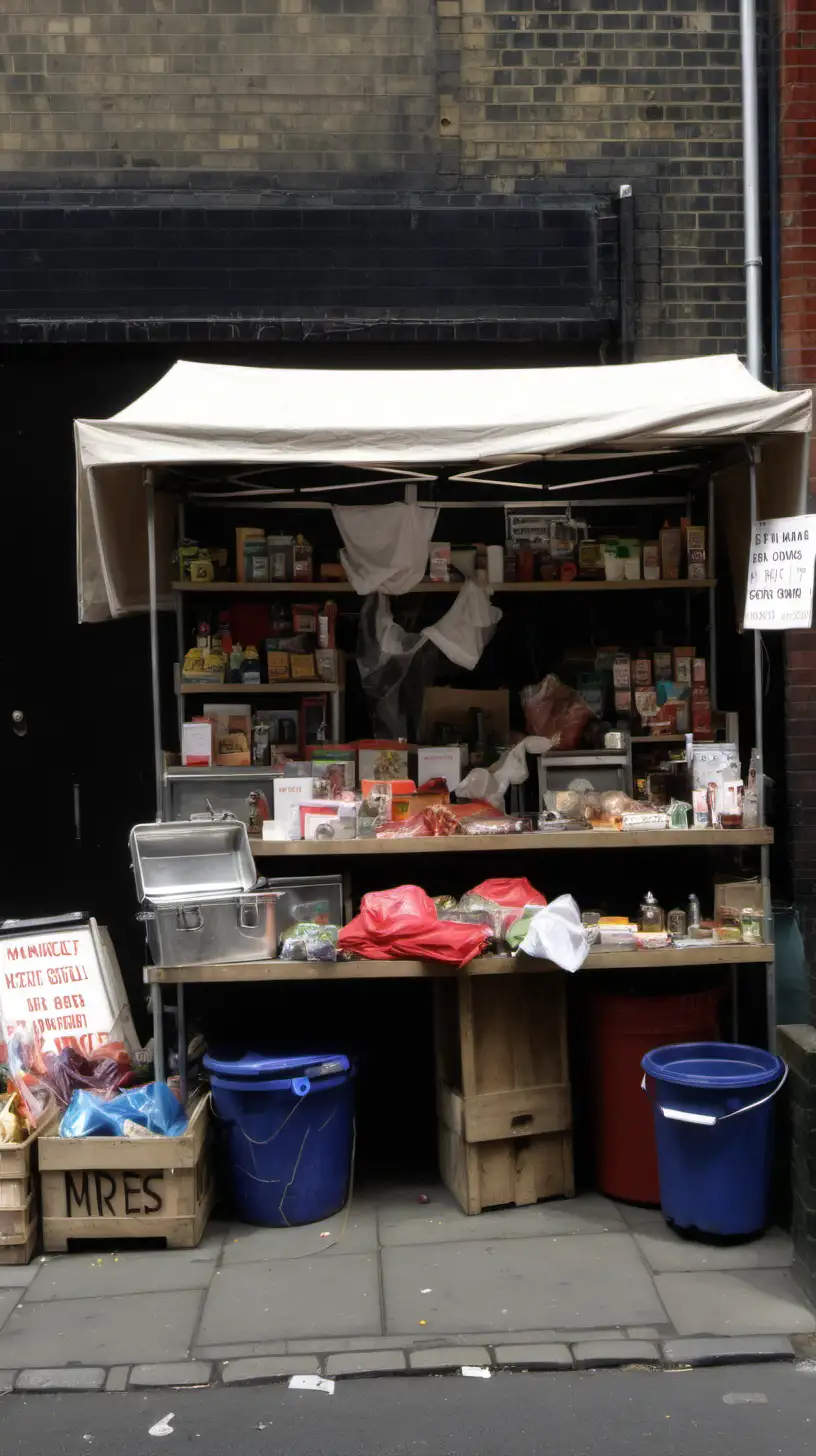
x: 750, y: 166
x: 150, y: 492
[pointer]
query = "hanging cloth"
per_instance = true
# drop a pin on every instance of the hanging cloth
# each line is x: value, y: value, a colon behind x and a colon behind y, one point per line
x: 385, y: 548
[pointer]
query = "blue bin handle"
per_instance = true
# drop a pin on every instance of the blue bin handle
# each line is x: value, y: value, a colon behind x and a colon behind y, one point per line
x: 299, y: 1085
x: 704, y: 1119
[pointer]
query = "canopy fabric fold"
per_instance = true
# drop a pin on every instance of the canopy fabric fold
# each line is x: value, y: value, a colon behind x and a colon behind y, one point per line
x: 211, y: 414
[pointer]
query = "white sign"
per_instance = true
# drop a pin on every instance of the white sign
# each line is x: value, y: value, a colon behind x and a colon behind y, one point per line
x: 59, y: 984
x: 779, y: 593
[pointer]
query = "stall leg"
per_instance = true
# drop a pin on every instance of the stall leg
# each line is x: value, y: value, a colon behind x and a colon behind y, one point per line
x: 734, y: 1003
x: 181, y: 1023
x: 158, y: 1033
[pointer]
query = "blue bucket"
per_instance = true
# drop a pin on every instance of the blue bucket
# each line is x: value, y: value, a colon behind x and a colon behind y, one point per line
x: 289, y: 1129
x: 714, y: 1128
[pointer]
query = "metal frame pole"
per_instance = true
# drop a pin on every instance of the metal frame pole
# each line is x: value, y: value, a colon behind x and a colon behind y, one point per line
x: 759, y: 742
x: 158, y: 1032
x: 750, y: 164
x: 712, y: 596
x: 150, y: 492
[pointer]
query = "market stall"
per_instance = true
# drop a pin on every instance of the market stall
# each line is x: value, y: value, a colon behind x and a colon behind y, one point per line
x: 225, y: 492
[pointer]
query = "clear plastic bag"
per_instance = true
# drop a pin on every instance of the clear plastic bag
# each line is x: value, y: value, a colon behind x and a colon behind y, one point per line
x: 553, y: 710
x: 154, y: 1108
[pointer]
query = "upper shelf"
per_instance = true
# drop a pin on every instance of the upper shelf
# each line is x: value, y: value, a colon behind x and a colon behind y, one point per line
x: 307, y: 685
x: 276, y: 588
x: 490, y: 843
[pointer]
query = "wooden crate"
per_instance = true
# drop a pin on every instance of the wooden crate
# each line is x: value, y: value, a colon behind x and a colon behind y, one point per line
x: 18, y: 1206
x: 116, y: 1188
x: 503, y: 1092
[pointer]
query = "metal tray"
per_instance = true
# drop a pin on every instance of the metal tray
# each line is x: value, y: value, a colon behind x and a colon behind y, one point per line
x: 191, y: 858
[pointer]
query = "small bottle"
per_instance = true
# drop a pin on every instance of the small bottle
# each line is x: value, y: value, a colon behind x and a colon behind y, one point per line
x: 651, y: 913
x: 693, y: 911
x: 676, y: 924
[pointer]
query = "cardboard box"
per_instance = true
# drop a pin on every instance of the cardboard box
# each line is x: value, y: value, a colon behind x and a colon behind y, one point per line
x: 288, y: 795
x: 256, y: 559
x: 671, y: 552
x: 442, y: 763
x: 231, y: 725
x: 696, y: 538
x: 453, y: 706
x: 645, y: 704
x: 303, y: 666
x: 623, y: 701
x: 622, y: 672
x: 406, y: 806
x: 682, y: 670
x: 439, y: 562
x: 381, y: 758
x: 278, y: 666
x: 642, y: 672
x: 737, y: 895
x: 701, y: 719
x: 663, y: 664
x: 197, y: 743
x: 243, y: 534
x: 698, y: 670
x: 651, y: 561
x: 326, y: 663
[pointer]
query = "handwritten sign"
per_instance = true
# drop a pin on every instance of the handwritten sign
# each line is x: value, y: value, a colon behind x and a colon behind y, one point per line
x: 58, y: 983
x: 779, y: 593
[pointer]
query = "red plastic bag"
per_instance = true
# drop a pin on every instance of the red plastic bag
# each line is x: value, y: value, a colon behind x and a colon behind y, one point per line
x: 509, y: 892
x: 554, y: 711
x: 402, y: 924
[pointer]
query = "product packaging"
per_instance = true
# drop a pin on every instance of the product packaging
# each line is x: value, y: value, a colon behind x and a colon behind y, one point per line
x: 277, y: 666
x: 197, y: 743
x: 440, y: 561
x: 442, y: 763
x: 671, y: 550
x: 243, y: 535
x: 622, y: 672
x: 651, y: 560
x: 288, y: 795
x: 256, y: 560
x: 663, y: 663
x: 641, y: 672
x: 381, y: 759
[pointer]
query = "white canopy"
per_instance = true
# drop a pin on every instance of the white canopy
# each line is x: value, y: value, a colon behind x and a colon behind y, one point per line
x: 211, y: 414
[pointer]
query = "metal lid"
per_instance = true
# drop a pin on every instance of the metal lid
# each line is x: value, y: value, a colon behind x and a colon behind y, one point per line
x: 191, y: 858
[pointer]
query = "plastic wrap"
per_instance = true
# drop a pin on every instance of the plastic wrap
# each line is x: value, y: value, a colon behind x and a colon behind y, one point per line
x: 556, y: 934
x: 154, y: 1108
x: 47, y: 1080
x: 310, y: 942
x: 553, y: 710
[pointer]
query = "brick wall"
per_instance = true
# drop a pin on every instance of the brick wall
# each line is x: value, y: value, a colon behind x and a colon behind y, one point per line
x: 527, y: 100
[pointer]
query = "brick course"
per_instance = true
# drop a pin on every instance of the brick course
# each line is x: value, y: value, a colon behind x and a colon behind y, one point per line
x: 524, y: 99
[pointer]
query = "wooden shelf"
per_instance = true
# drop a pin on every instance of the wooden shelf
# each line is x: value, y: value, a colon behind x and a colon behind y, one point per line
x: 331, y: 588
x: 364, y: 970
x: 240, y: 690
x: 658, y: 738
x: 520, y: 843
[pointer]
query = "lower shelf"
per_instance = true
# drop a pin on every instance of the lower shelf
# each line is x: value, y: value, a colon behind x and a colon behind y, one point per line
x: 362, y: 970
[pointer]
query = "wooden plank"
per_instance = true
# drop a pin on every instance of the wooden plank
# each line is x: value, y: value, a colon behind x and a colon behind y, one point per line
x: 516, y: 843
x: 15, y: 1192
x: 518, y: 1112
x: 510, y: 966
x: 18, y: 1254
x: 15, y: 1223
x: 16, y: 1158
x: 431, y: 588
x: 217, y: 690
x: 58, y: 1154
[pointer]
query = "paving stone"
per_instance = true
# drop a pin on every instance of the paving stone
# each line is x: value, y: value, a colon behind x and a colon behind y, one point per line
x: 352, y: 1234
x: 49, y: 1380
x: 9, y: 1298
x: 18, y: 1276
x: 534, y: 1357
x: 565, y: 1283
x: 707, y: 1351
x: 449, y: 1358
x: 154, y: 1377
x: 372, y: 1362
x: 240, y: 1349
x: 126, y: 1329
x: 420, y: 1340
x: 745, y: 1302
x: 567, y: 1336
x: 637, y: 1218
x: 92, y: 1276
x: 645, y: 1332
x: 253, y: 1372
x: 443, y: 1222
x: 594, y: 1354
x: 6, y: 1381
x: 667, y: 1253
x: 117, y: 1378
x: 302, y: 1298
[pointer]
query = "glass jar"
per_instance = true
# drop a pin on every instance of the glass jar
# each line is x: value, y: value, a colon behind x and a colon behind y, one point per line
x: 591, y: 921
x: 651, y: 915
x: 676, y: 924
x: 751, y: 926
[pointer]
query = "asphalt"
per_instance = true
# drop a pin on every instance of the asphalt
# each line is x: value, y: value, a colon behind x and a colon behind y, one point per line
x: 753, y: 1410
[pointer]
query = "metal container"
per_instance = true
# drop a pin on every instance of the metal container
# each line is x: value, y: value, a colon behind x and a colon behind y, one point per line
x: 212, y: 929
x: 190, y: 860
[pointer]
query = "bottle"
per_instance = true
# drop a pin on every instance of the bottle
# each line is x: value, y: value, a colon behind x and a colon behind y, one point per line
x: 750, y: 802
x: 651, y: 913
x: 676, y: 923
x: 693, y: 911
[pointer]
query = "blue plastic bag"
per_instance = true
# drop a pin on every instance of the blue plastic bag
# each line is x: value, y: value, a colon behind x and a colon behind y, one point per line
x: 153, y: 1107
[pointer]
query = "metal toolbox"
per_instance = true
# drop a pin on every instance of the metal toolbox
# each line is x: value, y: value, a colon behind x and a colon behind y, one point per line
x: 190, y: 859
x: 189, y: 791
x: 212, y: 929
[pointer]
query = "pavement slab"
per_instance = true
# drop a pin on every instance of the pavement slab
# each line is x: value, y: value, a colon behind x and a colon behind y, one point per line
x: 443, y: 1222
x: 125, y: 1329
x: 294, y: 1299
x: 448, y: 1359
x: 742, y: 1302
x: 597, y: 1354
x: 352, y: 1231
x: 667, y: 1253
x: 706, y: 1350
x: 96, y: 1276
x: 371, y: 1362
x: 565, y: 1283
x: 176, y: 1373
x: 61, y: 1380
x: 534, y: 1357
x: 253, y: 1372
x: 8, y: 1299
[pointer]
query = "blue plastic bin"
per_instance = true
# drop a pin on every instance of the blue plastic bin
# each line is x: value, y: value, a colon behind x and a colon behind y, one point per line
x: 289, y: 1129
x: 713, y: 1110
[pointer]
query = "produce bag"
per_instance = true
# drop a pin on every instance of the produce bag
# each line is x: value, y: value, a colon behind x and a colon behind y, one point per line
x: 553, y: 710
x: 151, y: 1109
x: 402, y: 924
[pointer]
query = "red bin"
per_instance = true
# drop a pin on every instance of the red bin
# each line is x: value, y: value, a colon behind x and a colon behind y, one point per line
x: 622, y: 1030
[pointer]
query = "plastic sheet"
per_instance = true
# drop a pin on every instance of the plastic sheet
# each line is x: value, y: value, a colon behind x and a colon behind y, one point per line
x: 385, y: 547
x: 153, y: 1108
x: 553, y: 710
x: 395, y: 668
x: 511, y: 769
x: 556, y: 934
x: 464, y: 632
x: 402, y: 924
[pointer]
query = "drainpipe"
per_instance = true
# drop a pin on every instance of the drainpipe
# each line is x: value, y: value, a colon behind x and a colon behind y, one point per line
x: 750, y: 169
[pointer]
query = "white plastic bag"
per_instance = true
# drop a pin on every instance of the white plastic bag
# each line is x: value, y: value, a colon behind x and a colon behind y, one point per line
x: 464, y: 632
x: 556, y: 934
x: 386, y: 547
x: 492, y: 783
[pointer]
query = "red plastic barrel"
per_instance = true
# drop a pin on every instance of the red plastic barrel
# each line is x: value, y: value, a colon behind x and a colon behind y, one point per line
x: 622, y: 1030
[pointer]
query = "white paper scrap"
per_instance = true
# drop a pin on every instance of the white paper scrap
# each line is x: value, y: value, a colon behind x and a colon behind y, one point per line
x: 311, y: 1382
x: 479, y: 1372
x: 163, y: 1427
